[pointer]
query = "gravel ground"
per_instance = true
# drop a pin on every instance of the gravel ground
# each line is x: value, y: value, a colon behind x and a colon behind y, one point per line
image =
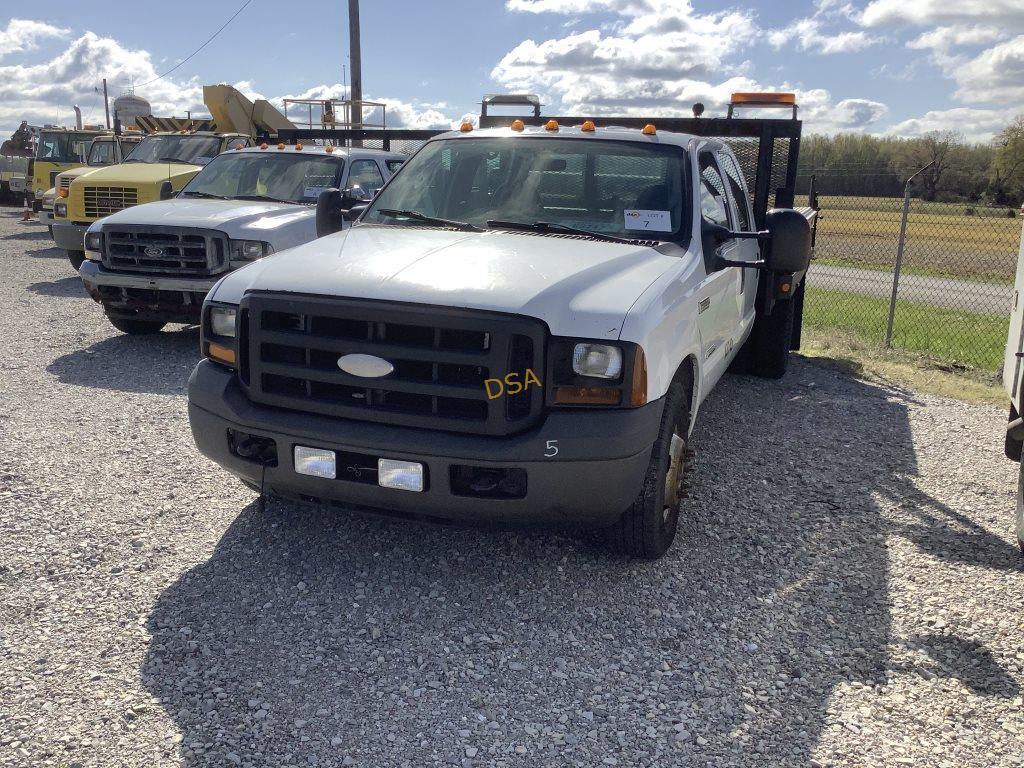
x: 846, y: 591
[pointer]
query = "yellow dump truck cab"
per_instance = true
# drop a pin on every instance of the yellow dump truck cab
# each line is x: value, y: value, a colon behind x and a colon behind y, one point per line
x: 104, y: 150
x: 57, y: 150
x: 159, y: 158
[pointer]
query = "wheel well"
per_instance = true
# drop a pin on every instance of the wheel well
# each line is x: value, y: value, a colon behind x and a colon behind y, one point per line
x: 688, y: 368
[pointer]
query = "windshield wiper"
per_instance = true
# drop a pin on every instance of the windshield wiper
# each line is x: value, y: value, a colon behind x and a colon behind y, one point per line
x: 547, y: 226
x: 266, y: 198
x: 210, y: 195
x: 465, y: 226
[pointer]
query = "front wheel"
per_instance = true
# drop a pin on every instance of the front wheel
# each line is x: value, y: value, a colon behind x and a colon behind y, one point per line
x: 76, y: 258
x: 136, y: 327
x: 648, y: 527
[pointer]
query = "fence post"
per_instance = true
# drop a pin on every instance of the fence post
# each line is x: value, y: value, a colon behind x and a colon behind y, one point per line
x: 899, y: 264
x: 898, y: 267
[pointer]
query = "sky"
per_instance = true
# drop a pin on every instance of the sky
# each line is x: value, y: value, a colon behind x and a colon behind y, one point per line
x: 901, y: 67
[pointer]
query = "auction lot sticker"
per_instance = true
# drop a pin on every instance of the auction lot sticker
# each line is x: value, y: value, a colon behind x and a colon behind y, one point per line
x: 651, y: 221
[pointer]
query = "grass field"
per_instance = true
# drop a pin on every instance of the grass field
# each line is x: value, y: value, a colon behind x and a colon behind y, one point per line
x: 974, y: 340
x: 942, y: 240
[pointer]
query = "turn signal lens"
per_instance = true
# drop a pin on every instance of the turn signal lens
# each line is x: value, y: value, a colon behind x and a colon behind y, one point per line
x: 638, y: 396
x: 588, y: 126
x: 587, y: 396
x: 220, y: 353
x: 551, y: 125
x: 518, y: 125
x: 62, y: 192
x: 649, y: 130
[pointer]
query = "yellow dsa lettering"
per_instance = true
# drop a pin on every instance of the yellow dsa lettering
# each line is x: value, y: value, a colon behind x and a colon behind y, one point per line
x: 512, y: 384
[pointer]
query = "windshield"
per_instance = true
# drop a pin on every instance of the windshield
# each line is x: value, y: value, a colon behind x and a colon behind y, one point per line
x: 290, y: 177
x: 191, y: 149
x: 618, y: 188
x: 63, y: 147
x: 102, y: 153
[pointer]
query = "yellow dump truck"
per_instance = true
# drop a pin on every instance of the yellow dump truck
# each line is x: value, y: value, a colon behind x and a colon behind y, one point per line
x: 159, y: 166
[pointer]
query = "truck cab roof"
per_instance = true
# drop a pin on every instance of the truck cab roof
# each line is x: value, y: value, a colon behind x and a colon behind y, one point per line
x: 609, y: 133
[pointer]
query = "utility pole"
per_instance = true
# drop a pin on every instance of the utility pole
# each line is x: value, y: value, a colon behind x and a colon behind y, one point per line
x: 106, y: 102
x: 355, y: 59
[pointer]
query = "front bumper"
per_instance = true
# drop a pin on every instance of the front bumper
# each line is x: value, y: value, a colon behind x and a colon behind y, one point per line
x: 601, y: 460
x: 68, y: 235
x: 146, y: 297
x: 46, y: 216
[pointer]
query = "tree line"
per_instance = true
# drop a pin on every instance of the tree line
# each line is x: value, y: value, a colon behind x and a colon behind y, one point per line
x: 955, y: 170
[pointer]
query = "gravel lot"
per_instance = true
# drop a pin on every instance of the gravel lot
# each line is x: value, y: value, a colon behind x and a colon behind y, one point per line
x: 847, y: 590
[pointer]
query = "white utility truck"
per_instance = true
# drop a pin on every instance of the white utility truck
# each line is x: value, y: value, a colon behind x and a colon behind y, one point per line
x: 1013, y: 383
x: 152, y: 264
x: 521, y: 326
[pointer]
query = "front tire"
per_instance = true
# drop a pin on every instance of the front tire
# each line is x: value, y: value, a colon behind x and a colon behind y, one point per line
x: 136, y: 327
x: 647, y: 528
x: 76, y: 258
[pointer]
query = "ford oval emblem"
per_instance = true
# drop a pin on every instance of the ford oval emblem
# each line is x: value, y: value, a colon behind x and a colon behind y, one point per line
x: 365, y: 366
x: 154, y: 252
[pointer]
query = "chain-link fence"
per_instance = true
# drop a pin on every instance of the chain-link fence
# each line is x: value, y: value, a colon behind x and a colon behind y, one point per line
x: 936, y: 278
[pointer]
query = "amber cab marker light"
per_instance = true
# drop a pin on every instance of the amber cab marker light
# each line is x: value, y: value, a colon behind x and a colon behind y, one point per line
x: 329, y: 149
x: 649, y: 130
x: 588, y: 126
x: 518, y: 125
x: 466, y: 127
x: 298, y: 147
x: 263, y: 145
x: 238, y: 147
x: 280, y: 146
x: 220, y: 353
x: 551, y: 125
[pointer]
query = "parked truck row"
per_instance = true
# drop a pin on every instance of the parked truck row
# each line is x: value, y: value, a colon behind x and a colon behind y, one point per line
x: 357, y: 306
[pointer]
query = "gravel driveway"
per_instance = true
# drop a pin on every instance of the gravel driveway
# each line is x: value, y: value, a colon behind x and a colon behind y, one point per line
x: 846, y: 590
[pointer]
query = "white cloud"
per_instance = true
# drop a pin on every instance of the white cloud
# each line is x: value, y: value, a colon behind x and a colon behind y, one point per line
x: 810, y: 35
x: 975, y: 124
x: 995, y: 75
x: 22, y: 35
x: 945, y: 38
x: 879, y: 13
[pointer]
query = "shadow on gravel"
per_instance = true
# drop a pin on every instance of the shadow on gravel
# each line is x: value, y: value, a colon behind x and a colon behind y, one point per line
x: 312, y: 636
x: 28, y: 234
x: 983, y: 674
x: 49, y: 253
x: 66, y: 286
x: 159, y: 363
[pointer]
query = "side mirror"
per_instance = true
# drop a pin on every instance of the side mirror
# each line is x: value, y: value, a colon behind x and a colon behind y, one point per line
x: 329, y: 214
x: 166, y: 191
x: 354, y: 212
x: 354, y: 195
x: 789, y: 244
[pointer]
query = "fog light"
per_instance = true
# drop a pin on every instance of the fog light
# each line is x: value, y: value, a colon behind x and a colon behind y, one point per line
x: 315, y: 462
x: 403, y: 475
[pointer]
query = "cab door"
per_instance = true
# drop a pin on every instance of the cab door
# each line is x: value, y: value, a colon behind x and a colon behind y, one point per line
x: 718, y: 311
x: 745, y: 250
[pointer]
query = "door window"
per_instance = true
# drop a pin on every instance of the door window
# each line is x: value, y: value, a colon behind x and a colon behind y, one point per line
x: 713, y: 203
x: 738, y: 189
x: 367, y: 175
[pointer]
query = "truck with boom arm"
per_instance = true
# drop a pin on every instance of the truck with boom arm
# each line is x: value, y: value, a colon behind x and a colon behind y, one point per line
x: 521, y: 325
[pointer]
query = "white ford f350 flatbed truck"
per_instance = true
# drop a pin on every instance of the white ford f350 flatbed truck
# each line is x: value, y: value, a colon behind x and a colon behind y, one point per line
x: 521, y: 326
x: 152, y: 264
x: 1013, y: 384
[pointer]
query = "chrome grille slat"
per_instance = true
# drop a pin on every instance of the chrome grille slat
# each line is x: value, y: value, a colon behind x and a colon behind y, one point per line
x: 440, y: 357
x: 172, y: 250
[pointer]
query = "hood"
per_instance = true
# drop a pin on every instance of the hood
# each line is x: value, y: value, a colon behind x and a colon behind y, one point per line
x: 238, y: 218
x: 144, y: 173
x: 582, y: 287
x: 80, y: 171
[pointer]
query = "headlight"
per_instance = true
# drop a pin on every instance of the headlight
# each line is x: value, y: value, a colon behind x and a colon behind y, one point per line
x: 602, y: 361
x: 222, y: 322
x: 590, y: 373
x: 60, y: 210
x: 247, y: 250
x: 94, y: 241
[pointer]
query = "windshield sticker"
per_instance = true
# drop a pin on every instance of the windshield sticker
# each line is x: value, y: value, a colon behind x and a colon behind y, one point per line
x: 312, y: 191
x: 650, y: 221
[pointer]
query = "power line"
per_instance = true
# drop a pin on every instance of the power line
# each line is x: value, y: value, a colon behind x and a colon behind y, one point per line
x: 197, y: 50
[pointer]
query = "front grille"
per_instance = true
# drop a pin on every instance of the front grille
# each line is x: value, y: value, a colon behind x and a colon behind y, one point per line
x: 441, y: 358
x: 164, y: 250
x: 103, y: 201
